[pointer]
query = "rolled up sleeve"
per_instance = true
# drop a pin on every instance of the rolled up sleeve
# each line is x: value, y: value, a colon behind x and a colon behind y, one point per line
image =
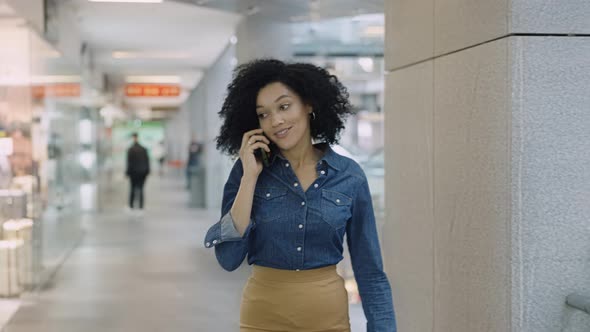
x: 225, y: 231
x: 230, y: 247
x: 228, y: 229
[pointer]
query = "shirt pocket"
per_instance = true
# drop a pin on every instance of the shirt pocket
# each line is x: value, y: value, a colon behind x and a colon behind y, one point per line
x: 336, y: 208
x: 269, y: 204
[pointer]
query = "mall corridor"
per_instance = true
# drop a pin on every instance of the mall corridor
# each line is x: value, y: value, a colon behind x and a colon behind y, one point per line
x: 142, y: 274
x: 470, y: 121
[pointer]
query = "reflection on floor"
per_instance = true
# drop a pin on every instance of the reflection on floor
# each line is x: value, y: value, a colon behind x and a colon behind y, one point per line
x: 148, y: 273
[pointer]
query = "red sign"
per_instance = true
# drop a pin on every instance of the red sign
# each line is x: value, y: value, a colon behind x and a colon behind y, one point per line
x: 56, y: 90
x: 152, y: 90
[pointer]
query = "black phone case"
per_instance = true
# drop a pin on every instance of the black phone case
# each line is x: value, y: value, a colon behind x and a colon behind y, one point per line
x: 261, y: 154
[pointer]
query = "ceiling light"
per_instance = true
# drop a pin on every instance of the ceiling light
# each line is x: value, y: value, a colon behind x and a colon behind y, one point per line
x: 171, y: 79
x: 369, y: 18
x: 150, y: 55
x: 367, y: 64
x: 49, y: 79
x: 124, y: 55
x: 374, y: 31
x: 129, y: 1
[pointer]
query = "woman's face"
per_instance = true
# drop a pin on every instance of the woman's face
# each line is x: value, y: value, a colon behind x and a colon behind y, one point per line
x: 283, y: 116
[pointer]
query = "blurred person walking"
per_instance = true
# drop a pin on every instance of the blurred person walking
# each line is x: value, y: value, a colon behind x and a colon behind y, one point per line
x: 138, y: 168
x: 159, y: 153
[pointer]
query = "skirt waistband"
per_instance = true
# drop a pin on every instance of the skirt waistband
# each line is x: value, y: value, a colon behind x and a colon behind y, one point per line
x: 271, y: 274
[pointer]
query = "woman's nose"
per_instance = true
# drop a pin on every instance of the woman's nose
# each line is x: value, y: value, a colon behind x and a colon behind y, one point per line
x: 277, y: 120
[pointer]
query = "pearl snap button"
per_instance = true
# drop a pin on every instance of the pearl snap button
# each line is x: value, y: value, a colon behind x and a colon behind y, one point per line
x: 214, y: 241
x: 337, y: 201
x: 316, y: 185
x: 298, y: 248
x: 208, y: 244
x: 302, y: 203
x: 295, y: 184
x: 300, y: 226
x: 323, y: 172
x: 287, y: 165
x: 268, y: 195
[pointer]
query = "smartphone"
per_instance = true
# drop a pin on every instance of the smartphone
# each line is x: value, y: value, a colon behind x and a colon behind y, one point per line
x: 262, y: 154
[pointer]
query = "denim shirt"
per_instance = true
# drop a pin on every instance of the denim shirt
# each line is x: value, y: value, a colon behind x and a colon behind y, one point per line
x: 296, y: 230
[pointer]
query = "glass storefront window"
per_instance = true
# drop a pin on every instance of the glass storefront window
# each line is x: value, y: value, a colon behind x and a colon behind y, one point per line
x: 46, y: 163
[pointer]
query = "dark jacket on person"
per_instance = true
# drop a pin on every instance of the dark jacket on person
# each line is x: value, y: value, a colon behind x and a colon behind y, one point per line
x: 138, y: 162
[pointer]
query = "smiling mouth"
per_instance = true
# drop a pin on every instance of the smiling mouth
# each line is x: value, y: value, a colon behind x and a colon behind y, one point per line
x: 282, y: 133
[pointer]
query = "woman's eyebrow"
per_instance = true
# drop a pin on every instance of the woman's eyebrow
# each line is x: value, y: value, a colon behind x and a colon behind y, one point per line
x: 280, y: 97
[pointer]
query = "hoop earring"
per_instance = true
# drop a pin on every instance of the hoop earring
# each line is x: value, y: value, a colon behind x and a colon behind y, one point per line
x: 312, y: 116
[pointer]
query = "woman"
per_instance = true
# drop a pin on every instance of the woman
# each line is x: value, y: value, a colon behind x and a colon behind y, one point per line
x: 290, y: 216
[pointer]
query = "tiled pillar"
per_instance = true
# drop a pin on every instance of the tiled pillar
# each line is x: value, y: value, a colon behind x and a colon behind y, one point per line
x: 487, y: 163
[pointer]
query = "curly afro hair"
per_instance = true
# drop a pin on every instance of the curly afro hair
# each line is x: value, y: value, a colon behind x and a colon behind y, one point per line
x: 315, y: 86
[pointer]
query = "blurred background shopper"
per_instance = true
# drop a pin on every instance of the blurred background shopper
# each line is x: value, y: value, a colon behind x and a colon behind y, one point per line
x: 138, y: 168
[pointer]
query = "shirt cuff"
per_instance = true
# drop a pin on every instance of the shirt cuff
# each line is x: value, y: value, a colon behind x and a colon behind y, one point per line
x: 228, y: 228
x: 225, y: 231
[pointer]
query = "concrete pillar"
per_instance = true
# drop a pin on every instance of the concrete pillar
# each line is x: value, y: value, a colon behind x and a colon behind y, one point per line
x: 260, y: 37
x: 487, y: 163
x: 256, y: 38
x: 217, y: 166
x: 177, y: 133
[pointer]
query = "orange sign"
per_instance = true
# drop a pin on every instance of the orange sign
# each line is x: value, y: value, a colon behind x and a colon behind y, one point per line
x: 56, y: 90
x: 152, y: 90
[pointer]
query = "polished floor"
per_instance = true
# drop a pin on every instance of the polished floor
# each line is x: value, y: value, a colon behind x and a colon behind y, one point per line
x: 144, y: 274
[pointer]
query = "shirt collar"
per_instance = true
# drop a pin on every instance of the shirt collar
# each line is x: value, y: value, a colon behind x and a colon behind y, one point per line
x: 330, y: 157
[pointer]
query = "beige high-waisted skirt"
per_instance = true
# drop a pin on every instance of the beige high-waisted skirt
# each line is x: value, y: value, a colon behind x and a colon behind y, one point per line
x: 287, y: 301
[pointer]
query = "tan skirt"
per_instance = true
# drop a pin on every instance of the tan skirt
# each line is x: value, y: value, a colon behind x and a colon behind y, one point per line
x: 287, y: 301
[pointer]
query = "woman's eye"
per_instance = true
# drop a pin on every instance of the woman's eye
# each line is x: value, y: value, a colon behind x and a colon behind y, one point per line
x: 262, y: 115
x: 284, y: 107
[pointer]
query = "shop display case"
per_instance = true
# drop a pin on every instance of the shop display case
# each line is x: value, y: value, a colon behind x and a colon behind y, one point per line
x: 46, y: 156
x: 9, y: 261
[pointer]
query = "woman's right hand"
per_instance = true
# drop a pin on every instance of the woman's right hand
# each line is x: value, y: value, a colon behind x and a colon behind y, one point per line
x: 252, y: 140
